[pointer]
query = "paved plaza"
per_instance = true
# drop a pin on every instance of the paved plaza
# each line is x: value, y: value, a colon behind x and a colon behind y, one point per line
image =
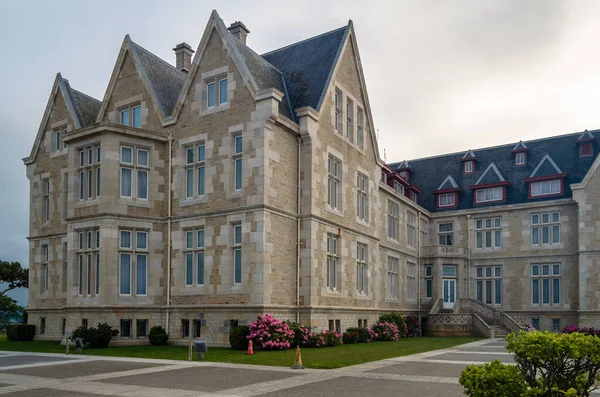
x: 426, y: 374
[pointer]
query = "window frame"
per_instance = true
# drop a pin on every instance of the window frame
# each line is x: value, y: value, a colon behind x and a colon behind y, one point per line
x: 90, y: 164
x: 539, y: 187
x: 538, y: 276
x: 468, y: 167
x: 131, y: 110
x: 362, y: 197
x: 549, y: 229
x: 487, y: 282
x: 334, y: 183
x: 428, y: 276
x: 520, y: 159
x: 134, y: 251
x: 333, y: 262
x: 88, y: 255
x: 196, y: 248
x: 446, y: 237
x: 393, y: 278
x: 135, y: 169
x: 447, y: 204
x: 198, y: 168
x: 488, y: 227
x: 393, y: 219
x: 362, y: 258
x: 484, y: 191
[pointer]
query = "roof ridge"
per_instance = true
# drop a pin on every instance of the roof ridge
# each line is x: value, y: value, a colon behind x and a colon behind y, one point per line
x: 157, y: 57
x: 494, y: 147
x: 256, y: 53
x: 305, y: 40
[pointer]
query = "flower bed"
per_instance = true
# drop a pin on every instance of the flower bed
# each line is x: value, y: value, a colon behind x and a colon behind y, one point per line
x: 270, y: 333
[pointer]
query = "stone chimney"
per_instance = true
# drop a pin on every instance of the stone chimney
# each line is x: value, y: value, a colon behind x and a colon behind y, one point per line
x: 239, y: 30
x: 183, y: 57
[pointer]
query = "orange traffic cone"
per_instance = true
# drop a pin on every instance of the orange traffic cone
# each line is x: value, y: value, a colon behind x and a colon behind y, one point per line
x: 250, y: 349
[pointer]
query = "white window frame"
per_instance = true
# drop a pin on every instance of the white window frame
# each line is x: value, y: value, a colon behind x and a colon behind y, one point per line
x: 45, y: 200
x: 350, y: 119
x: 333, y: 262
x: 362, y: 197
x: 411, y: 229
x: 494, y: 193
x: 334, y: 182
x: 545, y: 225
x: 539, y: 276
x: 446, y: 200
x: 236, y: 244
x: 360, y: 130
x: 338, y: 101
x: 130, y: 109
x: 429, y: 281
x: 135, y: 167
x: 520, y: 158
x: 553, y: 188
x: 393, y: 278
x: 411, y: 281
x: 393, y: 219
x: 488, y: 230
x: 446, y: 237
x: 487, y: 279
x: 468, y: 167
x: 134, y: 250
x: 221, y: 101
x: 88, y: 254
x: 89, y: 171
x: 194, y: 246
x: 362, y: 255
x: 45, y: 265
x: 196, y: 167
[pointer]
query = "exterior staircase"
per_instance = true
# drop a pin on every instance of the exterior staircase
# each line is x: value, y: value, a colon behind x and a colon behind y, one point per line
x: 469, y: 316
x: 499, y: 331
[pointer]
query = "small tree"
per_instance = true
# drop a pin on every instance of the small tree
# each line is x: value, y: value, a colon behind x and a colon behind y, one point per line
x: 8, y: 310
x: 13, y: 274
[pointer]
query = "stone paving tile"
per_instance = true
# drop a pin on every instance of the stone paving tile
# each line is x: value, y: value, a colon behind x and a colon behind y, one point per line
x: 486, y: 348
x: 350, y: 386
x: 422, y: 369
x: 204, y: 379
x: 505, y: 358
x: 84, y: 368
x: 43, y: 392
x: 10, y: 360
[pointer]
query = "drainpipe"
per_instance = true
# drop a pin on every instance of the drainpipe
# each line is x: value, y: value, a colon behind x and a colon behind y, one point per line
x: 170, y: 138
x: 299, y: 143
x: 469, y: 256
x: 419, y: 266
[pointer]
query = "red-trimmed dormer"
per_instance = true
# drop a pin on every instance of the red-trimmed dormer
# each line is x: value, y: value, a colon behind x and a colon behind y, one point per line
x: 412, y: 192
x: 586, y: 144
x: 446, y: 195
x: 468, y: 161
x: 404, y: 169
x: 520, y: 152
x: 490, y: 187
x: 546, y: 180
x: 385, y: 171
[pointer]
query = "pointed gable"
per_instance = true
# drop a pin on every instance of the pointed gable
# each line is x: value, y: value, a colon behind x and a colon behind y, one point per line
x: 80, y: 107
x: 520, y: 147
x: 160, y: 81
x: 404, y: 165
x: 313, y: 60
x: 448, y: 184
x: 469, y: 155
x: 586, y: 136
x: 546, y: 167
x: 490, y: 176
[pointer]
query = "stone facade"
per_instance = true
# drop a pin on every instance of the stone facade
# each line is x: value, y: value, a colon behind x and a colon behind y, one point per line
x: 296, y: 199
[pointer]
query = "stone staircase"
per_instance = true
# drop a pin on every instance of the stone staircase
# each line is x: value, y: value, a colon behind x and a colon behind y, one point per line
x: 471, y: 317
x: 499, y: 331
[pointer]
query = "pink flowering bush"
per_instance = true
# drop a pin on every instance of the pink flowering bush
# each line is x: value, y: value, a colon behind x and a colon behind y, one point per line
x: 571, y: 329
x: 385, y: 331
x: 270, y: 333
x: 332, y: 338
x: 314, y: 340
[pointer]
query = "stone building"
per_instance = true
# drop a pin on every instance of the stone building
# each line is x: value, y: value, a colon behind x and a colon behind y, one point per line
x: 199, y: 195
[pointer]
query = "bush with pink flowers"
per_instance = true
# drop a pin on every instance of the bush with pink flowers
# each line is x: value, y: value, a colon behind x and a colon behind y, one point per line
x: 314, y: 340
x: 270, y: 333
x: 385, y: 332
x: 332, y: 338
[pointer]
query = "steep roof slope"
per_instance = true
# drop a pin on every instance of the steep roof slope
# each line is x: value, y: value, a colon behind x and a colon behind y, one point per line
x: 429, y: 173
x: 166, y: 79
x: 315, y: 59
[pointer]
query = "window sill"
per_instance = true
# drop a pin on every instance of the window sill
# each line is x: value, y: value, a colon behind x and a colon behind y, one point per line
x: 58, y: 154
x: 135, y: 202
x: 217, y: 108
x: 334, y: 211
x: 194, y: 200
x: 362, y: 222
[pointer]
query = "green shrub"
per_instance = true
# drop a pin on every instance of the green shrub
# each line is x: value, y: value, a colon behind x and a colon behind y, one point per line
x: 95, y: 337
x: 158, y: 336
x: 20, y: 332
x: 358, y: 335
x: 238, y: 337
x: 331, y: 338
x: 493, y: 380
x: 397, y: 319
x: 553, y: 364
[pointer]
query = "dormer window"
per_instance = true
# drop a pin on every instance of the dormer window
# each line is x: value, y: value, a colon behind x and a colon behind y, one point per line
x: 468, y: 167
x: 520, y: 158
x: 404, y: 175
x: 546, y: 188
x: 586, y: 149
x: 413, y: 196
x: 489, y: 195
x: 446, y: 200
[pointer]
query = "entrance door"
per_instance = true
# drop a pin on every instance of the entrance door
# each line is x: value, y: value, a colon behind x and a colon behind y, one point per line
x: 449, y: 285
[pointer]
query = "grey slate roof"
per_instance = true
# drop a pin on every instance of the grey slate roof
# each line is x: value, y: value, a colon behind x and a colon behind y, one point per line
x: 85, y: 106
x: 166, y: 80
x: 429, y: 173
x: 264, y: 74
x: 315, y: 58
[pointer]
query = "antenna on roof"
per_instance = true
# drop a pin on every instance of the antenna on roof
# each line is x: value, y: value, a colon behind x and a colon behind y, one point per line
x: 384, y: 156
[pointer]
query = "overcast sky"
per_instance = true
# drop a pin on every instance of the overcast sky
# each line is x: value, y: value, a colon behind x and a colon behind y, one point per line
x: 441, y: 75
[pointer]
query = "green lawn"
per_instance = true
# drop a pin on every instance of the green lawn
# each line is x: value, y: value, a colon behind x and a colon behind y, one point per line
x: 325, y: 358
